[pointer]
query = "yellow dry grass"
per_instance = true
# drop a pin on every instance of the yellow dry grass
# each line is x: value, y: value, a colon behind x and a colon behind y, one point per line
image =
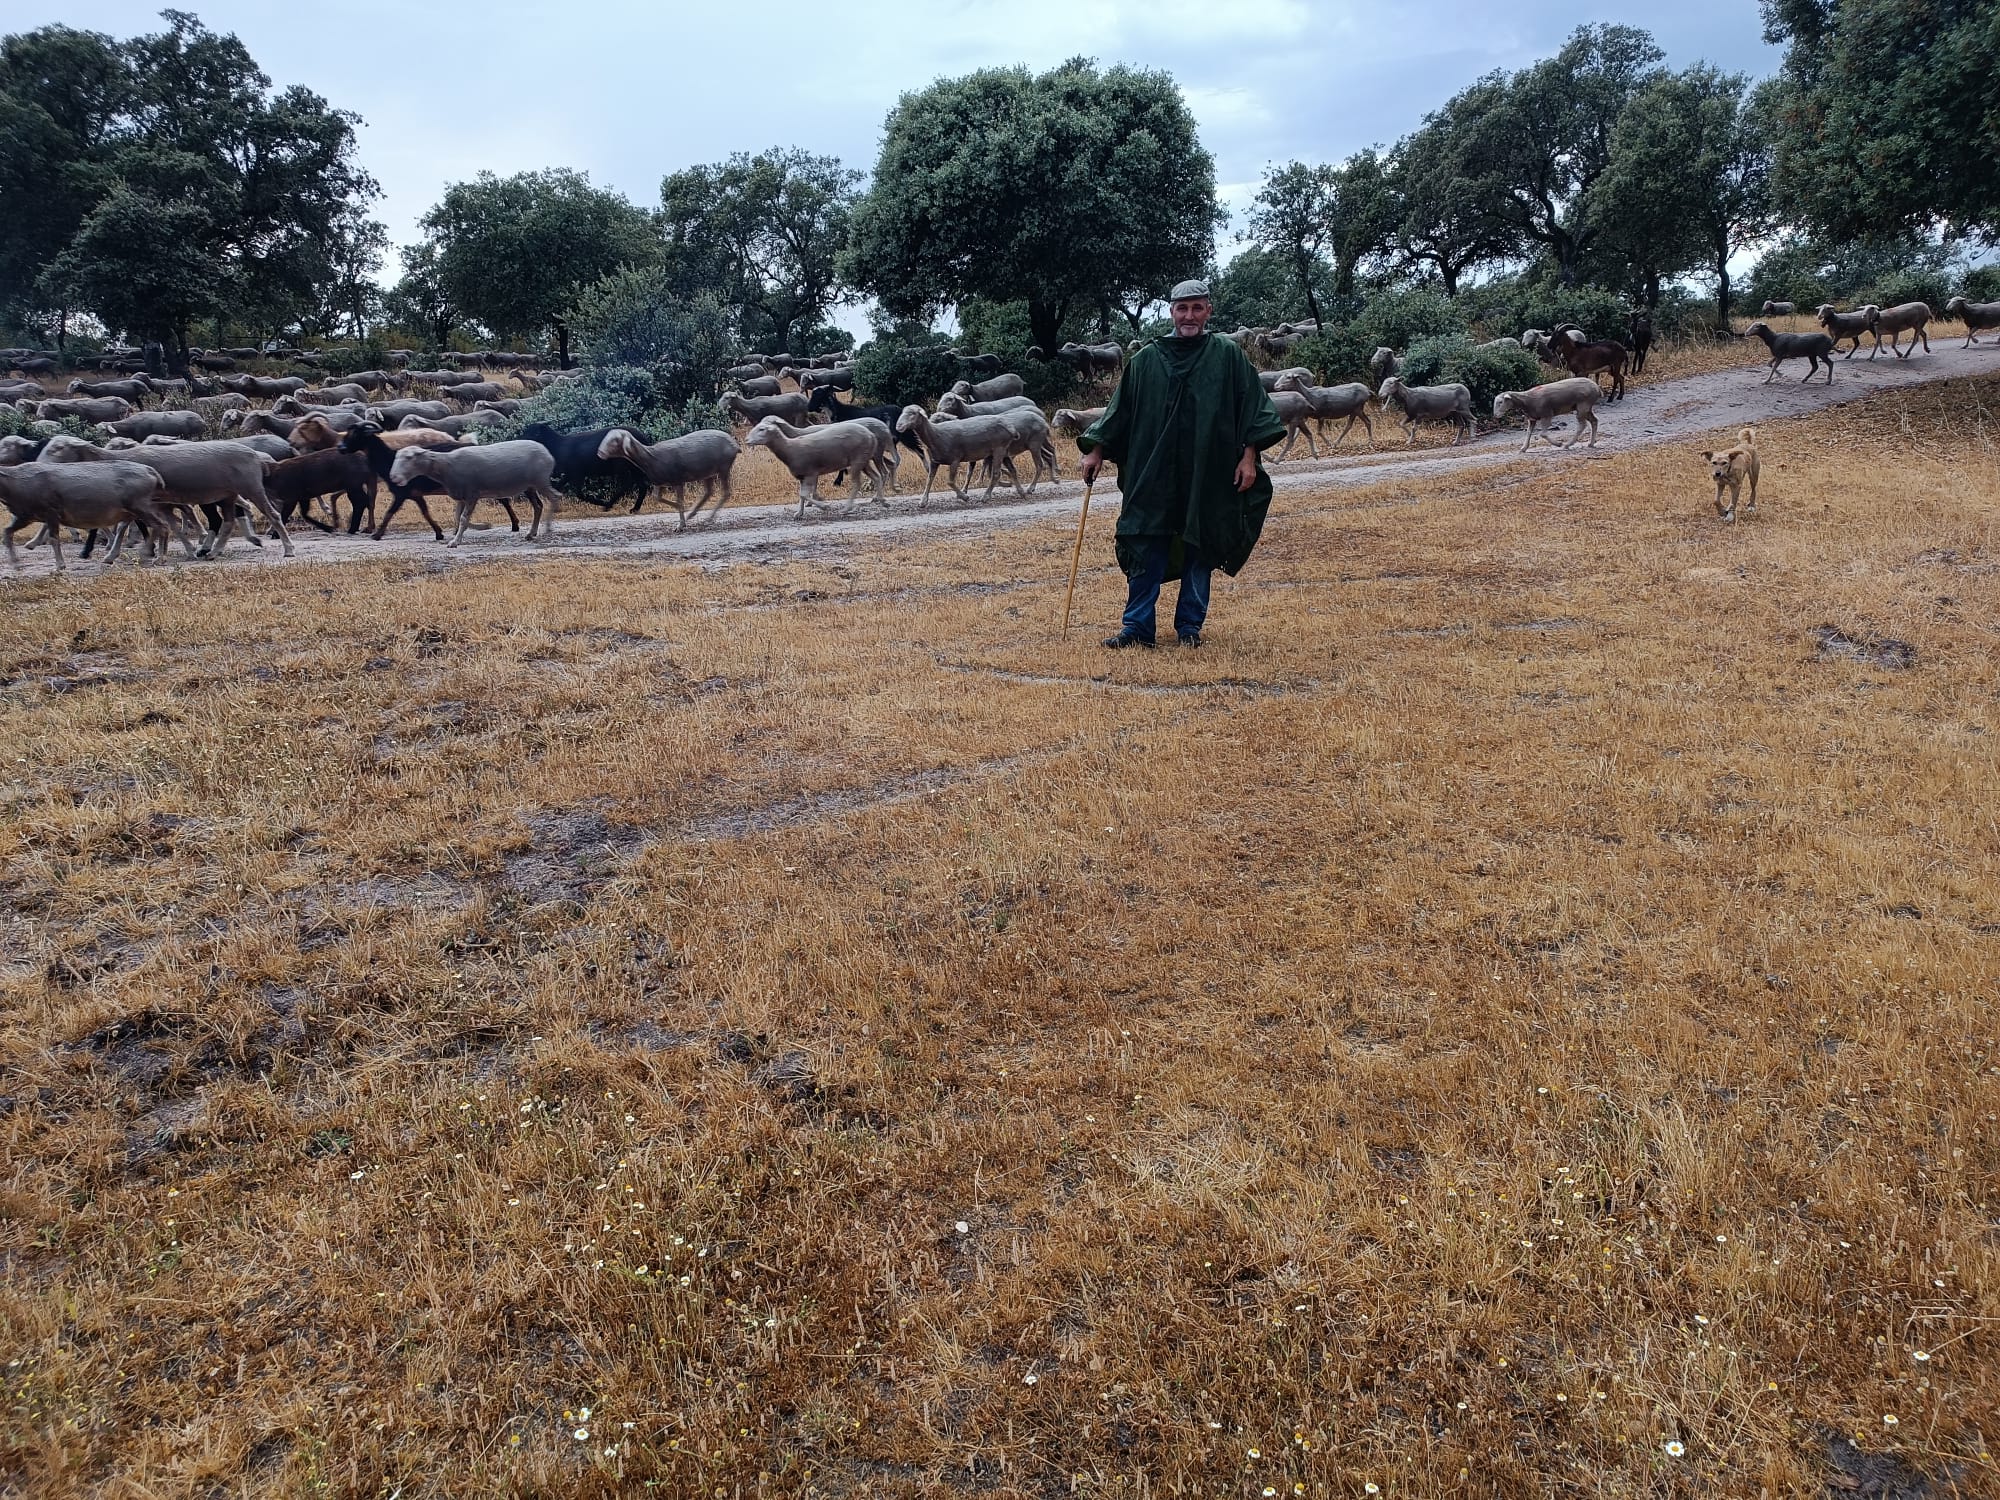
x: 1512, y: 1015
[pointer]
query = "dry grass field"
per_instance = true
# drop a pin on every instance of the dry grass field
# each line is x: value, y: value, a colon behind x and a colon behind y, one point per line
x: 1512, y: 1015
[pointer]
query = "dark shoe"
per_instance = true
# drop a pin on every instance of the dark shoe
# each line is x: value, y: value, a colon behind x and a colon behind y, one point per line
x: 1190, y: 638
x: 1125, y: 638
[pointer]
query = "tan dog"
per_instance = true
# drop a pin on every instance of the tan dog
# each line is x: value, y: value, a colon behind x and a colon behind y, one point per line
x: 1730, y: 467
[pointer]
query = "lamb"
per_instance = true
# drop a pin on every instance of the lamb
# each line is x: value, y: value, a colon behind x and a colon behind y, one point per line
x: 135, y: 391
x: 1904, y: 317
x: 180, y: 424
x: 990, y: 390
x: 1272, y: 379
x: 1329, y: 403
x: 91, y: 497
x: 1579, y: 394
x: 209, y: 475
x: 1586, y: 357
x: 1842, y: 325
x: 677, y: 463
x: 790, y: 407
x: 809, y: 452
x: 1976, y: 316
x: 1811, y: 347
x: 1384, y: 362
x: 968, y: 440
x: 1780, y: 309
x: 496, y: 471
x: 86, y: 409
x: 761, y: 385
x: 1430, y: 403
x: 380, y: 448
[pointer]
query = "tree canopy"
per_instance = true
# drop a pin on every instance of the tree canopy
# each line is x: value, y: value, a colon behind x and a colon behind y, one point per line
x: 1077, y: 188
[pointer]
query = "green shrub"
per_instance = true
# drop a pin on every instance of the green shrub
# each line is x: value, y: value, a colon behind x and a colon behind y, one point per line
x: 1455, y: 359
x: 905, y: 374
x: 1400, y: 318
x: 370, y: 354
x: 1506, y: 307
x: 631, y: 320
x: 1981, y: 284
x: 1336, y: 356
x: 1918, y: 285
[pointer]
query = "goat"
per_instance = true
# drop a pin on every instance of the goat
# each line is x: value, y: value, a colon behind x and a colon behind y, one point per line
x: 1976, y: 316
x: 298, y: 481
x: 380, y: 449
x: 1330, y: 403
x: 990, y: 390
x: 1910, y: 317
x: 580, y: 458
x: 967, y: 440
x: 1811, y: 347
x: 1585, y: 357
x: 790, y: 407
x: 1429, y: 403
x: 494, y: 471
x: 809, y: 452
x: 677, y: 463
x: 86, y: 497
x: 215, y: 477
x: 1841, y: 325
x: 1639, y: 333
x: 1543, y: 404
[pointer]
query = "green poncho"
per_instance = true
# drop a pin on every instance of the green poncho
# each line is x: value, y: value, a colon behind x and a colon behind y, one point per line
x: 1177, y: 425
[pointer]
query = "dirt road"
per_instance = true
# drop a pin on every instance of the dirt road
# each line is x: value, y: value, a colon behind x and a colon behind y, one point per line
x: 1672, y: 411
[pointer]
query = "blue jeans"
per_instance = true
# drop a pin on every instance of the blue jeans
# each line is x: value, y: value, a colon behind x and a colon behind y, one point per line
x: 1143, y: 590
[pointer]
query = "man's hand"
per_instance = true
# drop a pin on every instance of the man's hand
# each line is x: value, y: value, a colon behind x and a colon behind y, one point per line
x: 1092, y: 462
x: 1246, y: 470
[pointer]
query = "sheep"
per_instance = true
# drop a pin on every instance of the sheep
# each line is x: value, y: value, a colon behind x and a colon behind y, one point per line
x: 1780, y: 309
x: 1071, y: 421
x: 1277, y: 345
x: 297, y: 481
x: 841, y: 379
x: 442, y: 377
x: 248, y: 422
x: 790, y: 407
x: 990, y: 390
x: 214, y: 407
x: 16, y: 390
x: 530, y: 381
x: 506, y: 406
x: 180, y: 424
x: 470, y: 391
x: 18, y: 450
x: 761, y: 385
x: 265, y: 389
x: 329, y: 395
x: 214, y: 363
x: 391, y: 413
x: 1976, y: 316
x: 495, y: 471
x: 400, y: 359
x: 380, y: 448
x: 967, y: 440
x: 1811, y: 347
x: 836, y: 410
x: 1330, y: 403
x: 375, y: 380
x: 1384, y: 362
x: 135, y: 391
x: 86, y: 409
x: 708, y: 456
x: 93, y: 497
x: 455, y: 426
x: 980, y: 364
x: 809, y: 452
x: 1295, y: 412
x: 1032, y: 437
x: 1910, y: 317
x: 30, y: 363
x: 1541, y: 405
x: 1841, y: 325
x: 208, y: 475
x: 955, y: 405
x: 1581, y: 356
x: 1433, y: 403
x: 1093, y: 360
x: 1270, y: 379
x: 257, y: 442
x: 322, y: 429
x: 748, y: 370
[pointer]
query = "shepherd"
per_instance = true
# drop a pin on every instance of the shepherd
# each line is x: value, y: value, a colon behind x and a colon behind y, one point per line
x: 1185, y: 427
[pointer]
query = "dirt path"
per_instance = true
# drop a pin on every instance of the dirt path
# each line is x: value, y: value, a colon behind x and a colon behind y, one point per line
x: 1671, y: 411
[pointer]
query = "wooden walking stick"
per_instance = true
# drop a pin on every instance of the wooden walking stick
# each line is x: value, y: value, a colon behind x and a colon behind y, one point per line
x: 1077, y: 556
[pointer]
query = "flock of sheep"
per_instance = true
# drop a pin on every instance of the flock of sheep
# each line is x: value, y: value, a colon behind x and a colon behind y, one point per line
x: 217, y: 455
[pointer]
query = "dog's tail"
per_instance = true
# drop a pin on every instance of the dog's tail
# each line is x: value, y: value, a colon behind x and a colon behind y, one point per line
x: 1747, y: 437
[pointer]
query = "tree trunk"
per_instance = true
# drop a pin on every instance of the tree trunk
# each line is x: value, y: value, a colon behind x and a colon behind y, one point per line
x: 1343, y: 278
x: 1722, y: 287
x: 1312, y: 302
x: 1044, y: 325
x: 562, y: 344
x: 1448, y: 274
x: 1652, y: 290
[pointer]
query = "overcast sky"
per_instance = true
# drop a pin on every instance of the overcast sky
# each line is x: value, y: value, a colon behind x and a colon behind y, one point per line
x: 631, y: 91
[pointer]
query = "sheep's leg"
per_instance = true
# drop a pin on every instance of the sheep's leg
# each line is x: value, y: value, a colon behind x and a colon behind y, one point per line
x: 993, y: 462
x: 1311, y: 446
x: 270, y: 512
x: 1290, y: 433
x: 464, y: 515
x: 13, y: 557
x: 1591, y: 418
x: 930, y: 474
x: 117, y: 543
x: 55, y: 546
x: 513, y: 521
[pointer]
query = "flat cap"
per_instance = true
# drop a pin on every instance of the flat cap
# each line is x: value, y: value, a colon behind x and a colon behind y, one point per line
x: 1185, y: 290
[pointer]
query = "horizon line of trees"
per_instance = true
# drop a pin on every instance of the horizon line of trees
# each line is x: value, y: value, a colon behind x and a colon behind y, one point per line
x: 163, y: 186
